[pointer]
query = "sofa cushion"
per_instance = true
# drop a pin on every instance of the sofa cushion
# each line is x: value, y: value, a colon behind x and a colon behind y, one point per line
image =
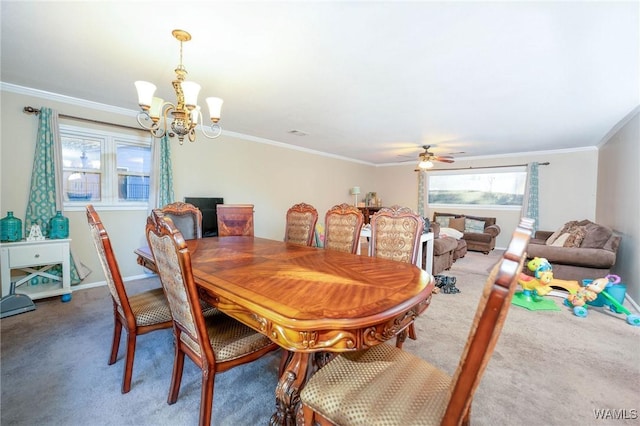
x: 457, y: 223
x: 443, y: 221
x: 474, y: 225
x: 597, y: 236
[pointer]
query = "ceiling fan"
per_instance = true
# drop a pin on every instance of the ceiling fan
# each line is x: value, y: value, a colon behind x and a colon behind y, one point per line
x: 427, y: 158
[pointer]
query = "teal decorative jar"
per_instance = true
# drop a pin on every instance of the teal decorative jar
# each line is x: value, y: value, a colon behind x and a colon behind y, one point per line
x: 10, y: 228
x: 58, y: 227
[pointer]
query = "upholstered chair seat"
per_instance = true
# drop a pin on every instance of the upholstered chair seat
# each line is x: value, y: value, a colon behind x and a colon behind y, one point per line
x: 386, y: 386
x: 138, y: 314
x: 214, y: 341
x: 395, y: 235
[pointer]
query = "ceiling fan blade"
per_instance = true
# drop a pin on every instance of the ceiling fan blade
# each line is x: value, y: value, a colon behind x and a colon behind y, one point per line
x: 443, y: 159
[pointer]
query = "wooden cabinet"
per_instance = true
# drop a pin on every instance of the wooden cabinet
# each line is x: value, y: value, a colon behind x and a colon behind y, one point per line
x: 235, y: 220
x: 368, y: 212
x: 35, y: 258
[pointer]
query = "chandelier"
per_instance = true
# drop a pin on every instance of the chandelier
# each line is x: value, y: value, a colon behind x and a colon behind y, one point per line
x: 185, y: 113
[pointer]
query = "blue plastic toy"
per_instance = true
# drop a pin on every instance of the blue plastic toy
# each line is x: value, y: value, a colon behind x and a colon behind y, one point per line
x: 590, y: 292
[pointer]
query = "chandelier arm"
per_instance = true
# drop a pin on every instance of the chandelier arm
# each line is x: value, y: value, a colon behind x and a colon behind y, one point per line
x: 154, y: 128
x: 216, y: 130
x: 143, y: 118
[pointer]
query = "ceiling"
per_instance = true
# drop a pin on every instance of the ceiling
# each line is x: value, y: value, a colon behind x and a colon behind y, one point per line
x: 369, y: 81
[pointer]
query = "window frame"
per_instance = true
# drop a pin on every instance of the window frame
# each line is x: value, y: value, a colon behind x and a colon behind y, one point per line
x: 477, y: 171
x: 109, y: 140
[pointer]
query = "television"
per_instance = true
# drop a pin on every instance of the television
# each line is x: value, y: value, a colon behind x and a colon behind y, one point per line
x: 207, y: 206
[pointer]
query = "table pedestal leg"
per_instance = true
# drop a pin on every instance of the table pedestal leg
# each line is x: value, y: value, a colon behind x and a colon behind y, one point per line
x: 299, y: 366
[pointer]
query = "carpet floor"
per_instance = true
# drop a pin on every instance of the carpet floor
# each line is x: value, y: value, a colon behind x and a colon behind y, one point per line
x: 549, y: 367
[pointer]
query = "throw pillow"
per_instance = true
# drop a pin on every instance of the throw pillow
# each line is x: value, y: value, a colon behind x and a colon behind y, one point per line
x: 565, y: 228
x: 576, y: 235
x: 457, y: 223
x: 473, y: 225
x: 443, y: 221
x: 451, y: 232
x: 597, y: 236
x: 559, y: 242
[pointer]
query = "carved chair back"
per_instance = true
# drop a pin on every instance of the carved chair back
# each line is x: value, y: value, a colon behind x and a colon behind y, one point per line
x: 395, y: 234
x: 301, y: 224
x: 186, y: 217
x: 342, y: 228
x: 367, y: 387
x: 140, y: 313
x: 109, y: 265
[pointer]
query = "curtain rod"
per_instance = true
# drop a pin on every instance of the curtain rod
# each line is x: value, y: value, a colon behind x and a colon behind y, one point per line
x: 35, y: 111
x: 482, y: 167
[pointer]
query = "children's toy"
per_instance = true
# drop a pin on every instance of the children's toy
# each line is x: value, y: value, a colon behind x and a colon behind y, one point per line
x: 535, y: 288
x: 590, y: 292
x: 540, y: 265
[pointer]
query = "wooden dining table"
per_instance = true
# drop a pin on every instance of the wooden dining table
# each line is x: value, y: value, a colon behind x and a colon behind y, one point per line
x: 312, y: 302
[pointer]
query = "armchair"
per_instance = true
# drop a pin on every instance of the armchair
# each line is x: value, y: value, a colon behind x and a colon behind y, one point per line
x: 479, y: 232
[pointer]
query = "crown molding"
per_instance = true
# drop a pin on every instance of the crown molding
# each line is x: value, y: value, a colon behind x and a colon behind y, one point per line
x: 27, y: 91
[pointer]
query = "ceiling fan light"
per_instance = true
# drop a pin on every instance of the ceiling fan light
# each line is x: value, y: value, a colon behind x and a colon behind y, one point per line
x: 425, y: 164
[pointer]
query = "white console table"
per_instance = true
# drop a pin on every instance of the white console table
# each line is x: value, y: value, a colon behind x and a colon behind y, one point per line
x: 44, y: 254
x: 427, y: 237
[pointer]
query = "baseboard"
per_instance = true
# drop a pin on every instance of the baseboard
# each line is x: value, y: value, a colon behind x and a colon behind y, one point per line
x: 103, y: 283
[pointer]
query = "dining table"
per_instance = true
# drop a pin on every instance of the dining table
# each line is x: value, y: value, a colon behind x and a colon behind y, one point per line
x: 312, y: 302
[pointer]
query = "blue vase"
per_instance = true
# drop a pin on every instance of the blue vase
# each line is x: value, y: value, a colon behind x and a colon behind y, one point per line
x: 58, y: 226
x: 10, y: 228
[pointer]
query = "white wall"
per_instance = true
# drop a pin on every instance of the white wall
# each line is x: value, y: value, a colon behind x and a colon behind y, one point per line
x: 567, y: 188
x: 619, y: 196
x: 271, y: 177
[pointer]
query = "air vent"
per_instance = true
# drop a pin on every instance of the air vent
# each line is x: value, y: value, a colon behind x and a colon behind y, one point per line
x: 297, y: 132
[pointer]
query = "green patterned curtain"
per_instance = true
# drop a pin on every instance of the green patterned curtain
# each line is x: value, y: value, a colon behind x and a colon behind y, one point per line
x: 165, y: 189
x: 530, y: 205
x: 162, y: 177
x: 46, y: 185
x: 44, y: 199
x: 421, y: 192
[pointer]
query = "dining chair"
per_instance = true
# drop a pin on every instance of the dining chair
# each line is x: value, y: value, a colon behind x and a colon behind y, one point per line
x: 386, y: 385
x: 139, y: 313
x: 214, y: 341
x: 301, y: 224
x: 186, y: 217
x: 235, y: 220
x: 343, y: 224
x: 395, y: 235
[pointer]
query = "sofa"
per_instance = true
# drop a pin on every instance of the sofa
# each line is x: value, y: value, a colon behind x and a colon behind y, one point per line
x: 444, y: 248
x: 577, y: 251
x: 479, y: 232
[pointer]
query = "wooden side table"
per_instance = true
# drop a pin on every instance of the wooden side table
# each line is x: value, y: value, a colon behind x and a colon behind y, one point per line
x: 368, y: 212
x: 35, y: 258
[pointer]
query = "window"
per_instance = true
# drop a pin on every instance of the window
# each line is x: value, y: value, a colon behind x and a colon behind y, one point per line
x: 493, y: 187
x: 104, y: 168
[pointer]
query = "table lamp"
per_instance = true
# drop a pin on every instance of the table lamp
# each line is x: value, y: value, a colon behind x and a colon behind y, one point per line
x: 355, y: 191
